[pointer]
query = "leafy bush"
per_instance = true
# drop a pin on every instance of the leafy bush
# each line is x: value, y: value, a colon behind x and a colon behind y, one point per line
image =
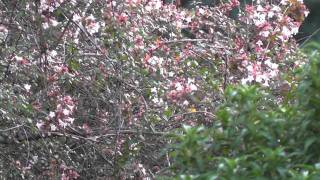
x: 256, y: 136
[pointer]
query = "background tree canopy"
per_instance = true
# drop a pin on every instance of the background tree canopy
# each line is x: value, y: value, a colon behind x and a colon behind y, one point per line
x: 311, y: 25
x: 308, y: 30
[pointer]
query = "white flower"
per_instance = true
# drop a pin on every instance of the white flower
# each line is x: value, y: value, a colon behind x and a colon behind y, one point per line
x: 271, y: 64
x: 266, y: 83
x: 284, y: 2
x: 276, y: 9
x: 154, y: 60
x: 259, y: 78
x: 35, y: 158
x: 264, y: 33
x: 155, y: 100
x: 185, y: 103
x: 52, y: 114
x: 69, y: 120
x: 179, y: 87
x: 286, y: 32
x: 260, y: 8
x: 76, y: 18
x: 188, y: 19
x: 66, y: 112
x: 73, y: 2
x: 273, y: 73
x: 171, y: 74
x: 247, y: 80
x: 259, y: 43
x: 27, y: 87
x: 53, y: 127
x: 306, y: 13
x: 158, y: 4
x: 154, y: 90
x: 62, y: 124
x: 91, y: 25
x: 270, y: 14
x: 250, y: 68
x: 53, y: 22
x: 45, y: 25
x: 3, y: 31
x: 53, y: 53
x: 148, y: 8
x: 295, y: 30
x: 201, y: 11
x: 71, y: 107
x: 143, y: 170
x: 39, y: 124
x: 259, y: 18
x: 193, y: 87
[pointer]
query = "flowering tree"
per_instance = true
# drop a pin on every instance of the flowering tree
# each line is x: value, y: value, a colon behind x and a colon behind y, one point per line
x: 90, y: 88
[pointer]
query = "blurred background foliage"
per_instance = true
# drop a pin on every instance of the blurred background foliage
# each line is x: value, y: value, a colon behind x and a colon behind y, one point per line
x: 310, y: 29
x: 311, y: 26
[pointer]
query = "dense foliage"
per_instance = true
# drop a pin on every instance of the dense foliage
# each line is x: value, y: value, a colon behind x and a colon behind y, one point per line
x: 256, y: 136
x: 91, y: 89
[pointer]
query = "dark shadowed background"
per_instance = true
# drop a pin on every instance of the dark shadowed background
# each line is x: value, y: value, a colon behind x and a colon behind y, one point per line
x: 311, y: 26
x: 310, y: 29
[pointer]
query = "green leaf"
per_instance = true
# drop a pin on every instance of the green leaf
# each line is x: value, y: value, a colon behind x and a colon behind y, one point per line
x: 168, y: 112
x: 73, y: 65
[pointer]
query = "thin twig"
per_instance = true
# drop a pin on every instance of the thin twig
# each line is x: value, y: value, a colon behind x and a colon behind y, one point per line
x: 9, y: 129
x: 206, y: 113
x: 313, y: 34
x: 185, y: 40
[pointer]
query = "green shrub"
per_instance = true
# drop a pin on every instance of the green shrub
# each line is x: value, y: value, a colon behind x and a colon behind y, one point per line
x: 256, y: 135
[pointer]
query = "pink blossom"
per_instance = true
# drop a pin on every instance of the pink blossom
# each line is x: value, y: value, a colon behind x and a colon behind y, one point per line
x: 91, y: 24
x: 249, y: 9
x: 122, y: 18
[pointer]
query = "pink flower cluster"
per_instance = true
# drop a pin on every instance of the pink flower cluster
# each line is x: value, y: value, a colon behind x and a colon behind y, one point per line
x: 271, y: 28
x: 227, y: 7
x: 180, y: 88
x: 64, y: 111
x: 61, y: 117
x: 68, y: 173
